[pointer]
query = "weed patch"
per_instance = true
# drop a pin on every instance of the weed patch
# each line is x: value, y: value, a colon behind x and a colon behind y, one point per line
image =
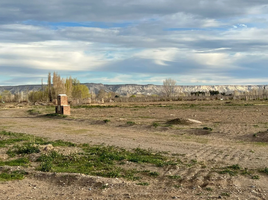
x: 174, y: 177
x: 61, y: 143
x: 233, y: 170
x: 191, y: 163
x: 131, y: 123
x: 209, y: 189
x: 16, y: 162
x: 102, y: 161
x: 255, y: 177
x: 106, y: 121
x: 27, y: 148
x: 235, y: 167
x: 225, y: 194
x: 228, y: 171
x: 154, y: 174
x: 155, y: 124
x: 207, y: 128
x: 8, y: 175
x: 3, y: 143
x: 265, y: 170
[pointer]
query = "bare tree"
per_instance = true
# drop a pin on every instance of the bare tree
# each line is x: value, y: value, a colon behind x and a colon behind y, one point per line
x: 169, y: 87
x: 58, y: 85
x: 102, y: 94
x: 69, y: 86
x: 6, y: 96
x: 49, y: 87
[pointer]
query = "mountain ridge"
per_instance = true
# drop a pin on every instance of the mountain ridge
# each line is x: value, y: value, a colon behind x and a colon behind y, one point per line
x: 148, y: 89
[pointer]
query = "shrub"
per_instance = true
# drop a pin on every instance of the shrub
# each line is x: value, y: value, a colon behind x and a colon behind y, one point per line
x: 207, y: 128
x: 131, y: 123
x: 156, y: 124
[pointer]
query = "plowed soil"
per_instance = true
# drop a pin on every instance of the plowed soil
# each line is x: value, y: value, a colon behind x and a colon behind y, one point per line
x: 230, y: 134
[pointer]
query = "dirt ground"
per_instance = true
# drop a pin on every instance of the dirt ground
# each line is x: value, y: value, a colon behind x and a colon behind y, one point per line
x: 230, y: 133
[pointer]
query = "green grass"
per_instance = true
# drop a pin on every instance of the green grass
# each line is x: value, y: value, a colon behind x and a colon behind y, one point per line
x: 86, y: 164
x: 4, y: 143
x: 61, y: 143
x: 234, y: 170
x: 154, y: 174
x: 112, y: 153
x: 260, y: 143
x: 131, y: 123
x: 235, y: 167
x: 17, y: 162
x: 8, y: 175
x: 155, y: 124
x: 246, y: 172
x: 27, y: 144
x: 13, y: 138
x: 207, y: 128
x: 209, y: 189
x: 192, y: 163
x: 265, y: 170
x: 99, y: 160
x: 257, y: 177
x: 102, y: 161
x: 27, y: 148
x: 174, y: 177
x: 225, y: 194
x: 11, y: 134
x: 228, y: 171
x: 106, y: 121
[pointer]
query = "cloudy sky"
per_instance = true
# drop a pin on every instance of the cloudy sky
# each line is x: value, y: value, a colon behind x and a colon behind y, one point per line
x: 195, y: 42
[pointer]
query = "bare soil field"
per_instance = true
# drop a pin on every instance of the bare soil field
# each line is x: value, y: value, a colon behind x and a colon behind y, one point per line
x: 195, y: 150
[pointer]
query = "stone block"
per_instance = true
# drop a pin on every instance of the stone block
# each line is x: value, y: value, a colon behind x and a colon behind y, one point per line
x: 62, y: 100
x: 62, y: 107
x: 66, y: 110
x: 63, y: 110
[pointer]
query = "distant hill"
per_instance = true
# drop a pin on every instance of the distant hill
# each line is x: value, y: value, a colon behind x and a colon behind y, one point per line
x: 150, y: 89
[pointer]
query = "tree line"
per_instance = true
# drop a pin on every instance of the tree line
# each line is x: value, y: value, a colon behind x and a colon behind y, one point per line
x: 57, y: 85
x: 74, y: 90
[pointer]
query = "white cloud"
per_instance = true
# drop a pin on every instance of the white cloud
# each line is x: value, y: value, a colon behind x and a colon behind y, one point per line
x: 243, y: 25
x: 52, y: 55
x: 191, y: 41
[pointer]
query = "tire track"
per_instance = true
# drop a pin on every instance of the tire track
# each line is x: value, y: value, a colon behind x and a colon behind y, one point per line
x: 223, y: 154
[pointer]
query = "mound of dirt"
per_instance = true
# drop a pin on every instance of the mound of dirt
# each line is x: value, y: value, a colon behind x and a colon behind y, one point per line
x: 183, y: 121
x: 200, y: 132
x: 258, y: 137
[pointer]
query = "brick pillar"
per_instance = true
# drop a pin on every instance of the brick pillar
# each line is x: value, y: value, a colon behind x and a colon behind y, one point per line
x: 63, y: 107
